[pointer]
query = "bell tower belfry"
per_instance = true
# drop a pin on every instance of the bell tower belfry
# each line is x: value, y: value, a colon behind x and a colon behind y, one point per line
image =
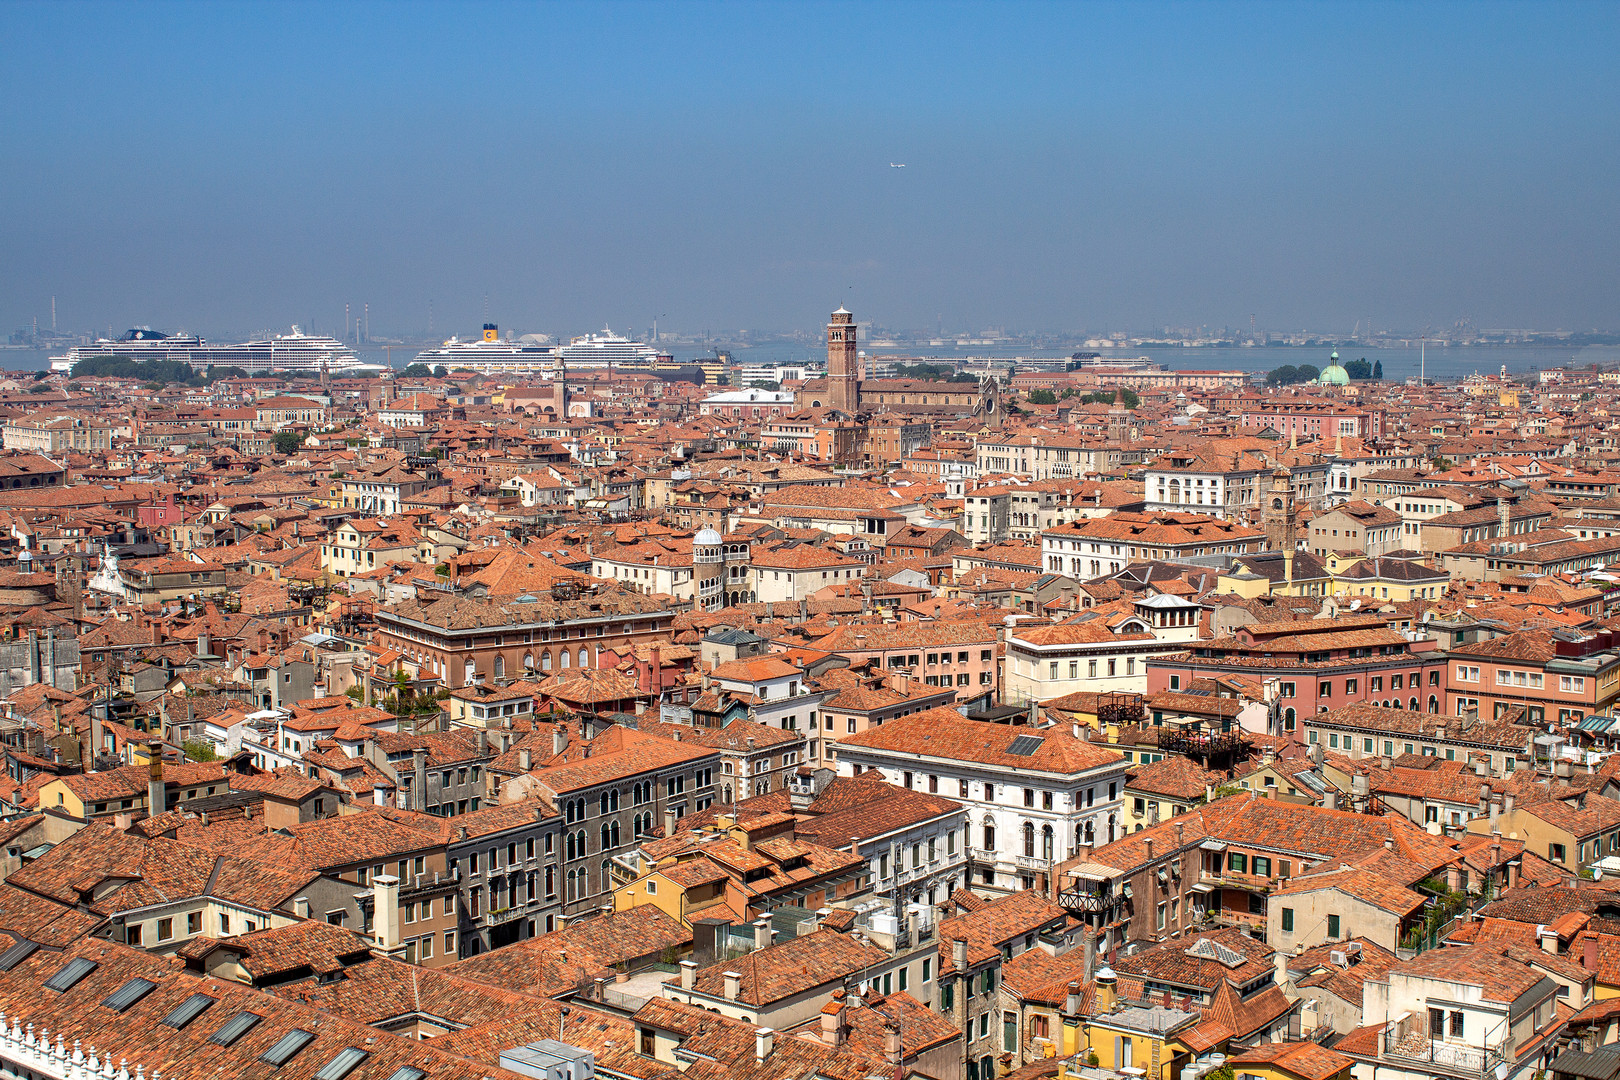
x: 843, y: 363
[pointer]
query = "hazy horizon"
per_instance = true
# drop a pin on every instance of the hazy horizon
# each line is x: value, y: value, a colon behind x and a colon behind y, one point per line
x: 725, y: 166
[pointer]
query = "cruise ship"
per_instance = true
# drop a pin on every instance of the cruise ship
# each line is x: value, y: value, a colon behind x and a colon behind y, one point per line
x: 490, y: 355
x: 292, y: 352
x: 608, y: 349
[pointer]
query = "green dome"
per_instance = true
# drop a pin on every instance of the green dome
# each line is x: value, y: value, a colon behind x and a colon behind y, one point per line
x: 1333, y: 375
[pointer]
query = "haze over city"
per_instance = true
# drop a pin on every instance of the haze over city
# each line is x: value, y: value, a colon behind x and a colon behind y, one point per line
x: 232, y: 168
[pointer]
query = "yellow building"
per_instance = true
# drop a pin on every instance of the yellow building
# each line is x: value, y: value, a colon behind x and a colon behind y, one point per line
x: 1291, y: 1061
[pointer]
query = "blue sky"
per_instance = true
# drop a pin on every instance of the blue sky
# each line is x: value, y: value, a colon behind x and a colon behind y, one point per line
x: 240, y: 166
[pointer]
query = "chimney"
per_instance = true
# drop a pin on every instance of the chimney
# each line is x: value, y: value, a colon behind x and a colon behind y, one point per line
x: 301, y: 907
x: 1589, y: 952
x: 385, y: 927
x: 1071, y: 1003
x: 1147, y: 847
x: 832, y: 1020
x: 733, y: 984
x: 688, y: 974
x: 1507, y: 803
x: 157, y: 800
x: 559, y: 739
x: 1385, y: 762
x: 1105, y: 989
x: 669, y: 821
x: 959, y: 957
x: 764, y: 1042
x: 893, y: 1045
x: 419, y: 778
x: 525, y: 760
x: 1503, y: 521
x: 762, y: 933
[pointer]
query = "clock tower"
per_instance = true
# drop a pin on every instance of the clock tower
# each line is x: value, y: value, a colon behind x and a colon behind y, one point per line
x: 843, y: 365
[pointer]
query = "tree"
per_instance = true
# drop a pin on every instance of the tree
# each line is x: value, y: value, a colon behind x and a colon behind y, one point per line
x: 418, y: 371
x: 1378, y: 370
x: 288, y: 442
x: 199, y: 750
x: 1042, y: 397
x: 1127, y: 397
x: 1068, y: 392
x: 1283, y: 376
x: 1358, y: 369
x: 1308, y: 372
x: 441, y: 372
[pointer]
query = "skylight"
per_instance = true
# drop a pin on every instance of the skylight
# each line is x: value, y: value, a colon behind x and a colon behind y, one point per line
x: 188, y: 1010
x: 71, y: 973
x: 234, y: 1028
x: 1025, y: 745
x: 286, y: 1046
x: 342, y: 1065
x: 17, y: 954
x: 128, y: 994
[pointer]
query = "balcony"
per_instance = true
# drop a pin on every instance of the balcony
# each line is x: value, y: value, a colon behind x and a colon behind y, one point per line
x: 1440, y: 1058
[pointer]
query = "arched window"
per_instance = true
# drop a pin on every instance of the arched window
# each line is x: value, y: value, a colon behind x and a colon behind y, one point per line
x: 989, y: 834
x: 1029, y: 840
x: 584, y: 658
x: 472, y: 670
x: 607, y: 836
x: 727, y: 799
x: 603, y: 801
x: 1110, y: 829
x: 570, y: 854
x: 528, y: 661
x: 615, y: 834
x: 565, y: 658
x: 545, y: 660
x: 1396, y: 703
x: 500, y: 666
x: 1288, y: 719
x: 1046, y: 843
x: 613, y: 800
x: 1434, y: 704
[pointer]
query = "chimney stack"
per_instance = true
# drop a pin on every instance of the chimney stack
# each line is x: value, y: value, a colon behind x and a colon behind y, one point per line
x: 688, y: 974
x: 385, y: 925
x: 559, y: 739
x: 733, y: 984
x: 832, y: 1020
x: 157, y: 800
x: 301, y: 907
x: 764, y: 1043
x: 525, y: 760
x: 762, y: 933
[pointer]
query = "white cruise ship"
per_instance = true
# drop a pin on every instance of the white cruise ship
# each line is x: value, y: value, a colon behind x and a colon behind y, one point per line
x: 607, y: 349
x: 292, y: 352
x: 491, y: 356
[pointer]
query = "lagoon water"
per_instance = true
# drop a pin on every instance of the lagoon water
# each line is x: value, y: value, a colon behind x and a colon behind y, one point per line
x: 1443, y: 363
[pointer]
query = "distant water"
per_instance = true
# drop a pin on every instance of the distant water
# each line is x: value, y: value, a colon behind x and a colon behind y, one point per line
x: 40, y: 359
x: 1442, y: 363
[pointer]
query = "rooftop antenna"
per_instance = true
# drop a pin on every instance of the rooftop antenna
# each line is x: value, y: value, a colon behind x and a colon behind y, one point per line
x: 368, y: 321
x: 345, y: 321
x: 53, y: 314
x: 430, y: 316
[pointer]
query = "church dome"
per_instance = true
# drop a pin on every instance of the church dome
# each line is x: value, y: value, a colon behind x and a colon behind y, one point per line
x: 1334, y: 374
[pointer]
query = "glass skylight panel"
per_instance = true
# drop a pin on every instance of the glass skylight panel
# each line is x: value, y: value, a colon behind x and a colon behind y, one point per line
x: 188, y: 1010
x: 234, y: 1028
x: 286, y: 1046
x: 342, y: 1065
x: 71, y: 973
x: 17, y: 954
x: 128, y: 994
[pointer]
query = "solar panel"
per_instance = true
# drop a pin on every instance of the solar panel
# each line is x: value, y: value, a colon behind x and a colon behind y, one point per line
x: 17, y: 954
x: 71, y: 973
x: 286, y: 1046
x: 343, y: 1064
x: 409, y: 1072
x: 128, y: 994
x: 188, y: 1010
x: 1025, y: 745
x: 234, y: 1028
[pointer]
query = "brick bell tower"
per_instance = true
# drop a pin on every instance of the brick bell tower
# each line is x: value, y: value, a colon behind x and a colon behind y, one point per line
x: 843, y: 366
